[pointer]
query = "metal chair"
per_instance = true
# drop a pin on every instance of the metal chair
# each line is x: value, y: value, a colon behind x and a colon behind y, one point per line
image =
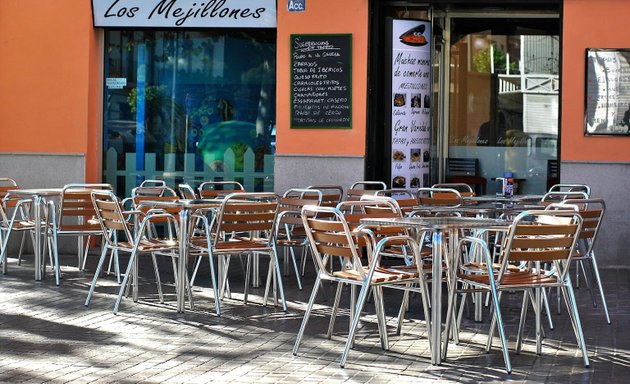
x: 14, y: 218
x: 592, y: 212
x: 331, y: 237
x: 534, y: 238
x: 119, y: 236
x: 244, y: 225
x: 290, y: 233
x: 23, y: 223
x: 76, y: 217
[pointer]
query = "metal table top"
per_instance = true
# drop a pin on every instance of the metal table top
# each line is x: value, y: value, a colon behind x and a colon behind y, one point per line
x: 439, y: 223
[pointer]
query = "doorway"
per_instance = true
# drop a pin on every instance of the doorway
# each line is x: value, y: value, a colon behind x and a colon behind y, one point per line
x: 495, y: 100
x: 499, y: 86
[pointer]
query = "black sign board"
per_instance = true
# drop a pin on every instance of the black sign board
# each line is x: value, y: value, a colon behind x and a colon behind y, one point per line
x: 321, y: 81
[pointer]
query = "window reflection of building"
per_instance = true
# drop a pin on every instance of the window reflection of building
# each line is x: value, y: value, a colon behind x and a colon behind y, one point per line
x: 504, y: 97
x: 205, y: 92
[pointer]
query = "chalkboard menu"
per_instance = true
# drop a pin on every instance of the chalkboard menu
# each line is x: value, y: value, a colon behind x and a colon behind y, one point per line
x: 321, y: 81
x: 607, y: 107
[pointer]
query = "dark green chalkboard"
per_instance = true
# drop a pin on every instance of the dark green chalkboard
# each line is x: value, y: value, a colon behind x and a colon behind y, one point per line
x: 321, y: 81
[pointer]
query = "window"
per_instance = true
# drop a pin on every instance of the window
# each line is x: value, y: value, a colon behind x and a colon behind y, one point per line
x: 189, y: 106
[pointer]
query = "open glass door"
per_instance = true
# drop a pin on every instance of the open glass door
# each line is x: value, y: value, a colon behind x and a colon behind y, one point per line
x: 502, y: 99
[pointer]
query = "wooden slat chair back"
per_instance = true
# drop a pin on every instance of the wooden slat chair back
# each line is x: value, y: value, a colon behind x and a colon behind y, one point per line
x: 254, y: 213
x: 140, y: 195
x: 439, y: 197
x: 111, y: 219
x: 245, y: 223
x: 330, y: 237
x: 361, y: 188
x: 592, y: 212
x: 465, y: 190
x: 7, y: 184
x: 76, y: 217
x: 292, y: 202
x: 542, y: 236
x: 404, y: 199
x: 76, y: 211
x: 331, y: 194
x: 213, y: 189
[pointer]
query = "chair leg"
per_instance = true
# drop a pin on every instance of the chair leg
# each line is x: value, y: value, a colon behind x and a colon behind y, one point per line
x: 547, y: 310
x: 215, y: 287
x: 101, y: 260
x: 21, y: 248
x: 85, y: 253
x: 248, y: 273
x: 333, y: 313
x: 504, y: 346
x: 195, y: 270
x: 587, y: 280
x: 158, y: 280
x: 401, y: 312
x: 521, y: 322
x: 452, y: 304
x: 274, y: 257
x: 130, y: 267
x: 598, y: 280
x: 355, y: 321
x: 570, y: 296
x: 295, y: 268
x: 380, y: 316
x: 307, y: 315
x: 537, y: 310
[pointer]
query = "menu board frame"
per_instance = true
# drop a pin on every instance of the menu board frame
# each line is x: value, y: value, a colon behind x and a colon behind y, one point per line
x: 346, y: 56
x: 607, y: 92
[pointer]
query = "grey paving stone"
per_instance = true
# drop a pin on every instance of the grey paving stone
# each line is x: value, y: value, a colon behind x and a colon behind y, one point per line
x: 47, y: 335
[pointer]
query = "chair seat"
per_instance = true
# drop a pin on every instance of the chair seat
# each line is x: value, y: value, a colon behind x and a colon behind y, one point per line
x: 151, y: 245
x: 291, y: 243
x: 513, y: 279
x: 242, y: 245
x: 475, y: 267
x: 381, y: 275
x: 78, y: 228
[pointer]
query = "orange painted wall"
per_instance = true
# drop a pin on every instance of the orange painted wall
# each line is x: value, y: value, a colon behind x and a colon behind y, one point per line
x: 47, y: 79
x: 348, y: 16
x: 589, y: 24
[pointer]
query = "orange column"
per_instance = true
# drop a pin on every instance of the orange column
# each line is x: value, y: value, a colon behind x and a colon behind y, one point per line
x: 350, y: 16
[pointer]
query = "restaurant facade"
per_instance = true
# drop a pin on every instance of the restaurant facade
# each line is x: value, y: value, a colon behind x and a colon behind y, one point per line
x: 290, y: 93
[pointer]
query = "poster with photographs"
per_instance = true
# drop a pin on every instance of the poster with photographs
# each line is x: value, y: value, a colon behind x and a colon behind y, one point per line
x: 607, y: 110
x: 411, y: 107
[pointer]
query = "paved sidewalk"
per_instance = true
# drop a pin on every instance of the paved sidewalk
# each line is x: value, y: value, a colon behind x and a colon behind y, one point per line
x: 47, y: 335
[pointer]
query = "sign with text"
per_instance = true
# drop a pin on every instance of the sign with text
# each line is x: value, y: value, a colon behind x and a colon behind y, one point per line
x: 321, y: 81
x: 185, y: 13
x: 296, y: 5
x: 607, y: 109
x: 410, y: 102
